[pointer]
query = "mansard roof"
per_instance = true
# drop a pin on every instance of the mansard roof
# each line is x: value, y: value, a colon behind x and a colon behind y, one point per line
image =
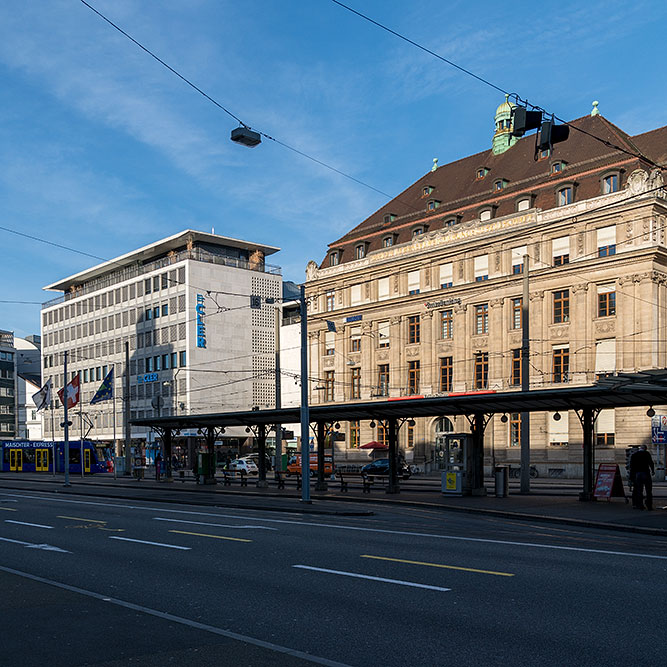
x: 457, y: 192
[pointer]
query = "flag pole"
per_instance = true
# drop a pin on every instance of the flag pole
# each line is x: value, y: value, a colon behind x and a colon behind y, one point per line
x: 81, y: 418
x: 113, y: 399
x: 66, y: 424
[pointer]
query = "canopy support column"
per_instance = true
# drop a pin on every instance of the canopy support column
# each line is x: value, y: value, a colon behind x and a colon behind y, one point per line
x: 321, y: 484
x: 261, y: 464
x: 392, y: 435
x: 587, y: 420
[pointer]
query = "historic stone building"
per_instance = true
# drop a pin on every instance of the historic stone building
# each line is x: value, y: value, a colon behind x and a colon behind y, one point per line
x: 425, y: 295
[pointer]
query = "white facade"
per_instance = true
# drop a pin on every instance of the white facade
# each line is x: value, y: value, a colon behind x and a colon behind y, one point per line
x: 182, y: 305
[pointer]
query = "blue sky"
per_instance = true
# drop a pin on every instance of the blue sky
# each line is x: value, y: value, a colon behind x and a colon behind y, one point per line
x: 104, y: 150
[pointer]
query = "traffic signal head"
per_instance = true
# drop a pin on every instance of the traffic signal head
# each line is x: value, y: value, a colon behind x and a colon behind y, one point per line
x: 246, y: 136
x: 551, y: 134
x: 525, y: 120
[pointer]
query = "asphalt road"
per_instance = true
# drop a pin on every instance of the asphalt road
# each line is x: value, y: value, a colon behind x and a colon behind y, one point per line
x: 113, y: 582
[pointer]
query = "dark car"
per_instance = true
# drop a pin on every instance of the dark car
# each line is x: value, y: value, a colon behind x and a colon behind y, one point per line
x: 381, y: 467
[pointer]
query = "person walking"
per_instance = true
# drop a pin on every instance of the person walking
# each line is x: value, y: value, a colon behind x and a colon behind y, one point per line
x: 641, y: 470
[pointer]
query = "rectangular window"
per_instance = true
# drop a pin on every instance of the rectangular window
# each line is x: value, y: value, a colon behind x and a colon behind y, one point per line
x: 558, y: 429
x: 355, y: 339
x: 356, y: 383
x: 383, y: 334
x: 148, y: 315
x: 413, y: 377
x: 174, y: 360
x: 330, y: 343
x: 354, y: 434
x: 606, y: 241
x: 383, y: 289
x: 482, y: 318
x: 560, y: 250
x: 149, y: 365
x: 355, y: 295
x: 410, y: 437
x: 329, y: 385
x: 481, y: 268
x: 561, y: 306
x: 414, y: 282
x: 383, y: 380
x: 515, y: 429
x: 165, y: 361
x: 156, y: 312
x: 157, y: 361
x: 360, y: 251
x: 515, y: 378
x: 446, y: 275
x: 446, y: 324
x: 414, y: 334
x: 561, y: 364
x: 383, y: 436
x: 606, y: 300
x: 610, y: 184
x: 329, y: 300
x: 517, y: 313
x: 147, y: 286
x: 165, y: 280
x: 565, y: 196
x: 517, y: 259
x: 165, y: 309
x: 156, y: 283
x: 482, y: 370
x: 85, y: 375
x: 446, y: 373
x: 605, y: 357
x: 605, y: 427
x: 181, y: 358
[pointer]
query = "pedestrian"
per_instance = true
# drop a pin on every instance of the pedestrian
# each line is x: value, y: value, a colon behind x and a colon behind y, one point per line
x: 158, y: 464
x: 641, y: 471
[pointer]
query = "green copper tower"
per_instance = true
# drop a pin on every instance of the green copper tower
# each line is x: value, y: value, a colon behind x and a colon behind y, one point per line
x: 502, y: 137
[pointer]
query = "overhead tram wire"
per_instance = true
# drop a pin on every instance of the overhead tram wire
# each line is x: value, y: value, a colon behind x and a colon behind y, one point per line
x: 235, y: 117
x: 515, y: 96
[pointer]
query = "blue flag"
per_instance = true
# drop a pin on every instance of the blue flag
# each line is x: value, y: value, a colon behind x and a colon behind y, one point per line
x: 331, y: 326
x: 105, y: 392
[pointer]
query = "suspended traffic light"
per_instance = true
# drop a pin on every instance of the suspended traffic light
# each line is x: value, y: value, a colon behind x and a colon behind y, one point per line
x: 525, y: 120
x: 246, y: 136
x: 551, y: 134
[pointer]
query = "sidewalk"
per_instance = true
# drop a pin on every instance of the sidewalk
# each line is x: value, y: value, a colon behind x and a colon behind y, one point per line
x: 557, y: 502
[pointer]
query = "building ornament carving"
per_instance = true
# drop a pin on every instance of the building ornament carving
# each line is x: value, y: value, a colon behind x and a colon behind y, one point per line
x: 412, y: 351
x: 580, y: 287
x: 539, y: 294
x: 383, y: 355
x: 559, y: 331
x: 395, y: 320
x: 328, y: 362
x: 580, y: 243
x: 396, y: 283
x: 497, y: 262
x: 311, y: 271
x: 495, y: 302
x: 479, y: 342
x: 637, y: 181
x: 606, y: 326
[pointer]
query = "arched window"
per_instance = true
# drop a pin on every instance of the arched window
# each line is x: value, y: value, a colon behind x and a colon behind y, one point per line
x: 444, y: 425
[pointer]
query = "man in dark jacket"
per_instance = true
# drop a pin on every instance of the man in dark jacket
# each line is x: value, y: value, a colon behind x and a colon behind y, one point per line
x: 641, y: 469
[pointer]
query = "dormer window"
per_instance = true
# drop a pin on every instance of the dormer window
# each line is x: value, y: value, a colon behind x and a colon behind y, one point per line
x: 499, y: 184
x: 418, y: 231
x: 544, y: 154
x: 610, y: 184
x: 426, y: 191
x: 433, y: 204
x: 486, y: 214
x: 388, y: 241
x: 565, y: 196
x: 334, y: 258
x: 481, y: 173
x: 389, y: 217
x: 557, y: 167
x: 450, y: 222
x: 360, y: 251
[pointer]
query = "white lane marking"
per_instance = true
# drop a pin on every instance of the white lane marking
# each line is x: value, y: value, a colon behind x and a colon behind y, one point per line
x: 366, y: 576
x: 217, y: 525
x: 307, y: 657
x: 30, y: 545
x: 25, y: 523
x: 155, y: 544
x: 384, y: 531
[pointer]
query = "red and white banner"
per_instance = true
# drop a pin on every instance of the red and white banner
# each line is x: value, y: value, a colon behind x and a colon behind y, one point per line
x: 72, y: 390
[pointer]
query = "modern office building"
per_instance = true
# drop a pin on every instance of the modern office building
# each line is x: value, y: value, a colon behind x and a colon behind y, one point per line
x: 8, y: 387
x: 183, y: 306
x: 425, y: 296
x: 28, y: 383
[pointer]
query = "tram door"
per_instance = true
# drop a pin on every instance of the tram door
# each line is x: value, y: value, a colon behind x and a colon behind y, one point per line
x: 86, y: 460
x: 42, y: 460
x: 15, y: 460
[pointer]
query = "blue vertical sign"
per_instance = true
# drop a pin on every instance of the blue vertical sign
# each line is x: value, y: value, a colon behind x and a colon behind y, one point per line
x: 201, y: 327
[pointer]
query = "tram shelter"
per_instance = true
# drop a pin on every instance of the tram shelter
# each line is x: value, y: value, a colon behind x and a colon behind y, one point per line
x: 646, y: 388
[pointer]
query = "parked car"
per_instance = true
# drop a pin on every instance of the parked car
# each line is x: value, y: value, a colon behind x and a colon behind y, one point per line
x: 381, y: 467
x: 255, y: 457
x: 246, y: 465
x: 294, y: 465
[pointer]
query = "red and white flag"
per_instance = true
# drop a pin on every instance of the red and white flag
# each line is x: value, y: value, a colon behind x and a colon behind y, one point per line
x: 72, y: 391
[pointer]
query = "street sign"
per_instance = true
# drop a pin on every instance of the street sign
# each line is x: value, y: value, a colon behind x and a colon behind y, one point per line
x: 659, y: 429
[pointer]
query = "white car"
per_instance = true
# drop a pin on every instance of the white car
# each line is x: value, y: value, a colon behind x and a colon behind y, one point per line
x: 248, y: 466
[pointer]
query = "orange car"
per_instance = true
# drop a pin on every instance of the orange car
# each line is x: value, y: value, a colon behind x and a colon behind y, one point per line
x: 294, y: 465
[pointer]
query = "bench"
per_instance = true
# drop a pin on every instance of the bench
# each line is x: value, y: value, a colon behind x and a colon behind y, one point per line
x: 228, y: 476
x: 345, y: 477
x: 279, y: 476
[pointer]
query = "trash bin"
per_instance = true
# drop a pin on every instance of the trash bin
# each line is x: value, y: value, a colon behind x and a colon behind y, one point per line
x: 501, y: 474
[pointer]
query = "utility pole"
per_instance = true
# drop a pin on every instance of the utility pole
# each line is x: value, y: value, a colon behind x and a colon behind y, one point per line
x: 278, y: 427
x: 126, y: 410
x: 305, y: 416
x: 525, y: 379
